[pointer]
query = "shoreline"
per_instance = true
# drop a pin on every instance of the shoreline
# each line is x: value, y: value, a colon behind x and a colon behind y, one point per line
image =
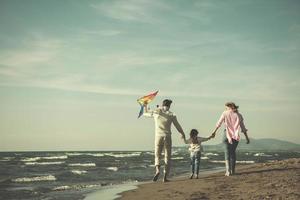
x: 115, y: 192
x: 111, y: 192
x: 269, y: 180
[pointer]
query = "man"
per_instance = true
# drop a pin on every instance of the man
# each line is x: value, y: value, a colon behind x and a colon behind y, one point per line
x: 163, y: 119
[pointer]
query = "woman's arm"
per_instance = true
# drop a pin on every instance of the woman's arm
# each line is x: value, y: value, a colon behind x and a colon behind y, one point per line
x: 218, y: 125
x: 247, y: 138
x: 243, y: 128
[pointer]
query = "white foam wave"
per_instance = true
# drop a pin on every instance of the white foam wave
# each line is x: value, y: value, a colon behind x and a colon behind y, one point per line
x: 150, y: 153
x: 55, y: 157
x: 178, y: 158
x: 116, y: 155
x: 75, y: 154
x: 262, y: 154
x: 86, y: 154
x: 33, y: 179
x: 124, y: 155
x: 112, y: 169
x: 7, y: 159
x: 83, y: 164
x: 44, y: 163
x: 97, y: 154
x: 245, y: 161
x: 34, y: 159
x: 76, y: 187
x: 204, y: 158
x: 238, y: 161
x: 60, y: 188
x: 31, y: 159
x: 79, y: 172
x: 211, y: 154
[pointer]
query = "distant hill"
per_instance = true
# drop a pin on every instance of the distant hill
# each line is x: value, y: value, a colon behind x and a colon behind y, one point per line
x: 267, y: 144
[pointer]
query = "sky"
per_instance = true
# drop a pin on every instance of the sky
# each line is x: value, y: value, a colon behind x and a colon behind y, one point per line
x: 71, y: 70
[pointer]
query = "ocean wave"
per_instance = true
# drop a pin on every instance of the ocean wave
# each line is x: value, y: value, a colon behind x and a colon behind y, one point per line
x: 262, y: 154
x: 79, y: 172
x: 149, y: 152
x: 75, y: 154
x: 31, y: 159
x: 204, y: 158
x: 96, y: 154
x: 116, y: 155
x: 55, y: 157
x: 44, y: 163
x: 112, y: 169
x: 60, y: 188
x: 211, y: 154
x: 76, y: 187
x: 4, y: 159
x: 178, y: 158
x: 86, y: 154
x: 83, y: 164
x: 34, y: 179
x: 238, y: 161
x: 245, y: 161
x: 123, y: 155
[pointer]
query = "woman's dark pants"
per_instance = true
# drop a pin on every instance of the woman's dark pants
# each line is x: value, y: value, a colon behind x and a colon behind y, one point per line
x: 230, y: 152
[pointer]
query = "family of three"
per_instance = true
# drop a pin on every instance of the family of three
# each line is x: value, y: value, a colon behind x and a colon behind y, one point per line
x: 164, y: 118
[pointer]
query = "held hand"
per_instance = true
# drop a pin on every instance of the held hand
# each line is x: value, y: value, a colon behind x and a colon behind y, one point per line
x: 213, y: 135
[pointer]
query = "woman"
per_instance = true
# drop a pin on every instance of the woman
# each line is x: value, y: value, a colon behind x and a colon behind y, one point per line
x: 233, y: 121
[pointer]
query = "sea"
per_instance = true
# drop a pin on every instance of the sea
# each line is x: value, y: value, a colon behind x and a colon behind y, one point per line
x: 75, y: 175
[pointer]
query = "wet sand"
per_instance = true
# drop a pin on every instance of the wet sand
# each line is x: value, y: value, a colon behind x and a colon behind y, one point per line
x: 272, y: 180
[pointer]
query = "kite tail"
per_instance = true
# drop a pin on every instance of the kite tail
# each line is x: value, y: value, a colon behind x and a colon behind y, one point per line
x: 141, y: 111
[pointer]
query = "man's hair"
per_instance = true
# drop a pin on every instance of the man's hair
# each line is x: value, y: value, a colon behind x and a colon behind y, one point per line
x: 167, y: 102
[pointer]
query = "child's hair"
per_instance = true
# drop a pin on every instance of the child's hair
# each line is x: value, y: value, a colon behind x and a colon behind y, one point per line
x: 193, y: 133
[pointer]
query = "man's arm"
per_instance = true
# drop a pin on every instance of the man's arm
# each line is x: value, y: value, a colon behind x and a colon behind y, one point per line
x: 178, y: 127
x: 147, y: 113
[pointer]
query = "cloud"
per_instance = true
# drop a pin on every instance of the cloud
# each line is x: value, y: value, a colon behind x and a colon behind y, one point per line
x: 31, y: 53
x: 102, y: 32
x: 132, y: 10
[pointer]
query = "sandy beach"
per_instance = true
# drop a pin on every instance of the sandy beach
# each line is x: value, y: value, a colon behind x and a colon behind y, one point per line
x: 272, y: 180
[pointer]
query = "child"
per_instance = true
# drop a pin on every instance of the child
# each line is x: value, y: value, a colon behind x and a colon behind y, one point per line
x: 195, y: 149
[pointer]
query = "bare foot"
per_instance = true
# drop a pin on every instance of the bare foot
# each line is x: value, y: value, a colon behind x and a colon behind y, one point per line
x: 166, y: 180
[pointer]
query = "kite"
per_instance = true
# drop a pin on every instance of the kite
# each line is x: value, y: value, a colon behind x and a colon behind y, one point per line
x: 145, y: 100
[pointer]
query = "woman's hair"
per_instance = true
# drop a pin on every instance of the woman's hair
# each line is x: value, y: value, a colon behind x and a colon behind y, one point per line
x: 193, y: 133
x: 232, y: 106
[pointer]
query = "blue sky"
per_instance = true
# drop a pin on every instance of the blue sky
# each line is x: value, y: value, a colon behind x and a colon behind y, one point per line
x: 71, y: 71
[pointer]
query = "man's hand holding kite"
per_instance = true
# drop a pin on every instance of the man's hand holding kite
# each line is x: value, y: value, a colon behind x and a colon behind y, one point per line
x: 145, y: 100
